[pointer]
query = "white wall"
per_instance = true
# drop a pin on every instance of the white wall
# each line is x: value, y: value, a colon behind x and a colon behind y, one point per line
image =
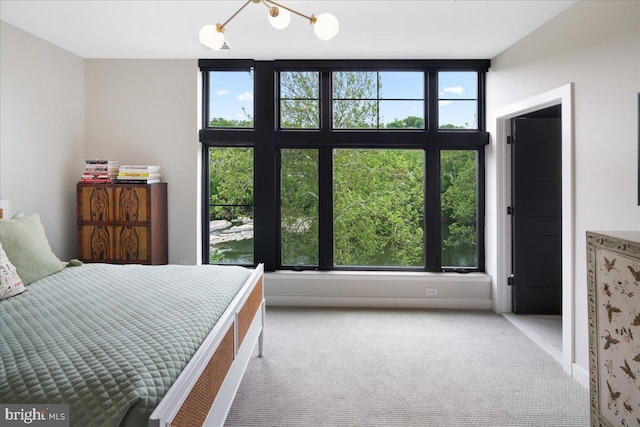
x: 58, y: 109
x: 146, y: 112
x: 596, y: 46
x: 41, y: 132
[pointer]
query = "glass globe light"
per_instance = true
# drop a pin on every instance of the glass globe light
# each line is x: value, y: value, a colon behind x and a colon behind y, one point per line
x: 211, y: 37
x: 326, y: 26
x: 279, y: 18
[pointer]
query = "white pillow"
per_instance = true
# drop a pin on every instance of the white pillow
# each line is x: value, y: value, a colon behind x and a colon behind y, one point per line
x: 10, y: 282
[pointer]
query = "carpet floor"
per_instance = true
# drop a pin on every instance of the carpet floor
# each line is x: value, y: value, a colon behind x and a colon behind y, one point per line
x: 404, y: 367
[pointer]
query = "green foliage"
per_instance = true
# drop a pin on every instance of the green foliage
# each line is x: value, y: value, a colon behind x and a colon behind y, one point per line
x: 299, y: 207
x: 230, y: 182
x: 451, y: 126
x: 219, y: 122
x: 300, y: 106
x: 356, y: 106
x: 411, y: 122
x: 216, y: 256
x: 458, y: 183
x: 378, y: 207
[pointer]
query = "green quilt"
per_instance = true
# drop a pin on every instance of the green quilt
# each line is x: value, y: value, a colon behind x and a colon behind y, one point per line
x: 109, y: 340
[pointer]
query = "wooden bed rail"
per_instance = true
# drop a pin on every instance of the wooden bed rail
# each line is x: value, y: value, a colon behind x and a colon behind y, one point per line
x: 203, y: 393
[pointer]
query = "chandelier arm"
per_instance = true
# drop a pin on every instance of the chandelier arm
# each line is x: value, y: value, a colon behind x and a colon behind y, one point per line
x: 221, y: 27
x: 312, y: 19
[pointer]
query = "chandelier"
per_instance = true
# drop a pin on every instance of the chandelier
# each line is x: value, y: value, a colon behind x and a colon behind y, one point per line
x: 325, y: 25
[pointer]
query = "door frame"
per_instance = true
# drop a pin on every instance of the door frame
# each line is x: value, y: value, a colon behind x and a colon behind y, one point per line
x: 560, y: 96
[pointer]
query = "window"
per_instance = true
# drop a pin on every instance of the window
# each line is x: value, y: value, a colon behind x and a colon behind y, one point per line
x: 458, y: 100
x: 459, y: 206
x: 230, y: 99
x: 230, y: 205
x: 299, y: 207
x: 299, y: 100
x: 377, y: 100
x: 348, y: 165
x: 378, y: 214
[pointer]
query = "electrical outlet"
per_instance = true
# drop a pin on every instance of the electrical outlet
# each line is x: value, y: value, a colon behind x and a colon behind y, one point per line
x: 432, y: 292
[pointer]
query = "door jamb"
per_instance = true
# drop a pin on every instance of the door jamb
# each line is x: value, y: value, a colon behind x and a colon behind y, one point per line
x: 563, y: 96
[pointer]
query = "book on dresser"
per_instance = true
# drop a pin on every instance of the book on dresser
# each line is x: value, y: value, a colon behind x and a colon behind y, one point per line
x: 142, y: 174
x: 122, y: 223
x: 99, y: 171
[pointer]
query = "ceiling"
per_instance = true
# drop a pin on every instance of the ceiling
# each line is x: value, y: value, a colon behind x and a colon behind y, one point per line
x: 394, y: 29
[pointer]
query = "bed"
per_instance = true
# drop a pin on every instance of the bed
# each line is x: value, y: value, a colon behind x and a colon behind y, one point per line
x: 131, y: 345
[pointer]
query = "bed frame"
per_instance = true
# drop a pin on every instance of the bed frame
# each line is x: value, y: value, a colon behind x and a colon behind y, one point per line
x: 204, y: 391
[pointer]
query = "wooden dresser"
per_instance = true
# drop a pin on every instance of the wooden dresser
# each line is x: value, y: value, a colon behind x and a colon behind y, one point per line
x: 122, y: 223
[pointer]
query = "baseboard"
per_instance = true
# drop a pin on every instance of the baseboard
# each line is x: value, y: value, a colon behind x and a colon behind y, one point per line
x: 441, y: 303
x: 580, y: 375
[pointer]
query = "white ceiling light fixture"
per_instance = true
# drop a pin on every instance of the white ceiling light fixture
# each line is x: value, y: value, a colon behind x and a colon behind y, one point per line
x: 325, y: 25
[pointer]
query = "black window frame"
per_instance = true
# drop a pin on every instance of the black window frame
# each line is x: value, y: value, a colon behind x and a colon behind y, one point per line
x: 267, y: 138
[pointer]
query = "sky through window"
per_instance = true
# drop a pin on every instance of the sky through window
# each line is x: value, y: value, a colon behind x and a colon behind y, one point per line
x: 401, y: 94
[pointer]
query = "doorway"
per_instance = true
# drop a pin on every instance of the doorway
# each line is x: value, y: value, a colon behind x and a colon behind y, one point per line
x: 562, y: 96
x: 536, y: 212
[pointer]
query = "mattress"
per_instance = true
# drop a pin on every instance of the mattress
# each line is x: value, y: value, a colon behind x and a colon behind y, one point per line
x: 109, y: 340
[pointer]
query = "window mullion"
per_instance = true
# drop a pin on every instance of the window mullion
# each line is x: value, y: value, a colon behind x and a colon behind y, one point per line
x: 480, y: 209
x: 205, y: 105
x: 206, y: 201
x: 432, y: 209
x: 266, y: 197
x: 431, y: 105
x: 481, y: 102
x: 325, y: 209
x: 325, y: 178
x: 325, y: 101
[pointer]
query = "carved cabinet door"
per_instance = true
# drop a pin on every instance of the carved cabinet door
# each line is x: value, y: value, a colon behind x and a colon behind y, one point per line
x: 131, y: 204
x: 96, y: 203
x: 95, y: 243
x: 131, y: 243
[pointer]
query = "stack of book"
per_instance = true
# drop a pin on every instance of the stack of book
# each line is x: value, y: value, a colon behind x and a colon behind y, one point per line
x: 139, y: 174
x: 99, y: 171
x: 112, y: 169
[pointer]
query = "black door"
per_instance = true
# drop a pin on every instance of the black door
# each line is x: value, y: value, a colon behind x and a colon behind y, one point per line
x: 536, y: 174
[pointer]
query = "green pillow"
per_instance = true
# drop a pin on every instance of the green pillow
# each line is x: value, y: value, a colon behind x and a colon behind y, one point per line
x: 27, y: 247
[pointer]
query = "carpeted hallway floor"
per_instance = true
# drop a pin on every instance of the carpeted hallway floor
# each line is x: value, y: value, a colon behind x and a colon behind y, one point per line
x: 405, y: 367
